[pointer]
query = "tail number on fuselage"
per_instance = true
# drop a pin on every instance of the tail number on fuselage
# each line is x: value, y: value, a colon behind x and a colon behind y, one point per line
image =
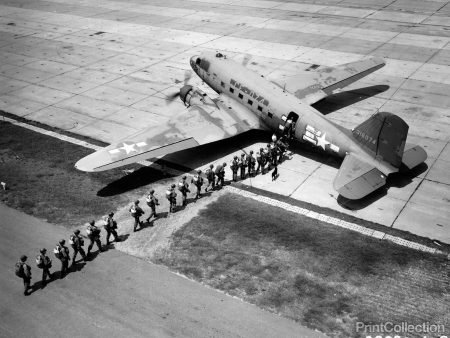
x: 365, y: 136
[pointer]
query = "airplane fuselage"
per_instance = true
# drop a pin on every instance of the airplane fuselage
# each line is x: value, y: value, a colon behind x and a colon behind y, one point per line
x: 274, y: 106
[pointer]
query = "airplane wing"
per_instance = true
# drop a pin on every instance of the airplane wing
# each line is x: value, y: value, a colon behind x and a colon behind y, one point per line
x: 204, y: 121
x: 357, y: 179
x: 312, y: 86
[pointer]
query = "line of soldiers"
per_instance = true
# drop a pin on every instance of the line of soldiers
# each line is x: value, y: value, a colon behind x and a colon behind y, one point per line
x: 62, y: 252
x: 272, y: 155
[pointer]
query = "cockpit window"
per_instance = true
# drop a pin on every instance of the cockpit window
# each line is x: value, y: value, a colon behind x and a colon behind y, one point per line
x: 203, y: 63
x: 197, y: 62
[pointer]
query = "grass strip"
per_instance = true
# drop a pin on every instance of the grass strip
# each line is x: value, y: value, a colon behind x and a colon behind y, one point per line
x: 325, y: 277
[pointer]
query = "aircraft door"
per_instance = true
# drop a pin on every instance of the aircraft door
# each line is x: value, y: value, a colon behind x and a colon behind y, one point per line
x: 290, y: 123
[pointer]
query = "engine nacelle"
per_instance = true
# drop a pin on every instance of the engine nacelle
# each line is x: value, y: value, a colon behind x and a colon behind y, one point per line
x: 194, y: 95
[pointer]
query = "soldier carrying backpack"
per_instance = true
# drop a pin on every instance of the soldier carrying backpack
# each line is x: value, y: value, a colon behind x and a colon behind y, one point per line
x: 136, y: 212
x: 197, y: 180
x: 110, y: 227
x: 62, y: 253
x: 23, y: 270
x: 93, y: 234
x: 171, y: 195
x: 45, y: 263
x: 77, y: 242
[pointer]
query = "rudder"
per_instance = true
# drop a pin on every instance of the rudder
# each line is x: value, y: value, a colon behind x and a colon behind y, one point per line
x: 384, y: 134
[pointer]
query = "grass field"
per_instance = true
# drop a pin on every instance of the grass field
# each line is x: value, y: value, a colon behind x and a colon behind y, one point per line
x: 322, y: 276
x: 42, y: 181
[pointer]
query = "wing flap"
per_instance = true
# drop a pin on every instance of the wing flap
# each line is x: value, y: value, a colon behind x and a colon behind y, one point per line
x: 312, y: 86
x: 357, y: 178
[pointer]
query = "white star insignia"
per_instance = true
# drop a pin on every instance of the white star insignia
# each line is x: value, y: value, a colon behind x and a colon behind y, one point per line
x: 322, y: 142
x: 128, y: 148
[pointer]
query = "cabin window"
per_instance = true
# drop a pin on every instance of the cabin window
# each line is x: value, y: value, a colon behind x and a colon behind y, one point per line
x: 259, y: 108
x: 270, y: 114
x: 241, y: 96
x: 231, y: 90
x: 250, y: 102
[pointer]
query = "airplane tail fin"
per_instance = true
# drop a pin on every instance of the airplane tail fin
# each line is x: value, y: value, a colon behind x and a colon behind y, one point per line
x: 384, y: 134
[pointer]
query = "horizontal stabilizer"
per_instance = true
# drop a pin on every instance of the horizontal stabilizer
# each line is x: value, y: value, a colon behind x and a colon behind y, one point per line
x: 413, y: 156
x: 357, y: 178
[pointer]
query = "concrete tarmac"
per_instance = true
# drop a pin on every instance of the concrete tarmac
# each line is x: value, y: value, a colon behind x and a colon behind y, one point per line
x: 116, y: 295
x: 105, y: 69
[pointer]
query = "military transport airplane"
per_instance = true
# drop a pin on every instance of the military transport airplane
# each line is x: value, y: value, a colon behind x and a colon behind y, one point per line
x: 247, y: 100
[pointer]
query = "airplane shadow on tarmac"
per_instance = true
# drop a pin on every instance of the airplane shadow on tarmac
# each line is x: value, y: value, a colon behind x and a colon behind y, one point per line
x: 343, y: 99
x: 396, y: 180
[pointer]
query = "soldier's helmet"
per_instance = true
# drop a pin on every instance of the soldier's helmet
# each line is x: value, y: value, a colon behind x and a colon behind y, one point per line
x: 136, y: 202
x: 260, y: 149
x: 91, y: 222
x: 23, y: 258
x: 152, y: 191
x: 235, y: 157
x: 111, y: 214
x: 251, y: 151
x: 62, y: 242
x: 242, y: 155
x: 199, y: 171
x: 224, y: 164
x: 173, y: 185
x: 184, y: 177
x: 44, y: 250
x: 77, y: 232
x: 211, y: 166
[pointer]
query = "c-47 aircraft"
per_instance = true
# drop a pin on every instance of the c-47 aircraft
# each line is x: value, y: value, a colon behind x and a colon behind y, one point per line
x: 247, y: 100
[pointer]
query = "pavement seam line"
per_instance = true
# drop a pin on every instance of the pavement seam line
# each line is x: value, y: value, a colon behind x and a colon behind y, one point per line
x: 302, y: 211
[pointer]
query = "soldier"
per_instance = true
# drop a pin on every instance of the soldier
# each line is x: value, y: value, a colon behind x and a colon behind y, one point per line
x: 242, y: 165
x: 210, y: 177
x: 110, y: 227
x: 275, y: 173
x: 251, y: 164
x: 198, y: 182
x: 93, y: 234
x: 261, y: 159
x: 45, y: 263
x: 77, y: 242
x: 152, y: 202
x: 62, y: 253
x: 234, y: 167
x: 268, y: 155
x: 136, y: 213
x: 171, y: 195
x: 273, y: 154
x: 288, y: 128
x: 282, y: 147
x: 183, y: 187
x: 23, y: 270
x: 220, y: 173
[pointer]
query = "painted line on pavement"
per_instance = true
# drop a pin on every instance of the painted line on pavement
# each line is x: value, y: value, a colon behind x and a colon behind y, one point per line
x: 335, y: 221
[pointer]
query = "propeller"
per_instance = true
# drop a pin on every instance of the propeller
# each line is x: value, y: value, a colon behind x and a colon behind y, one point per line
x: 187, y: 77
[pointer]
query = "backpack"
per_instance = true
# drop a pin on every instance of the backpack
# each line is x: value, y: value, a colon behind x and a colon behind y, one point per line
x: 19, y: 269
x: 169, y: 194
x: 181, y: 186
x: 57, y: 252
x: 39, y: 261
x: 72, y: 239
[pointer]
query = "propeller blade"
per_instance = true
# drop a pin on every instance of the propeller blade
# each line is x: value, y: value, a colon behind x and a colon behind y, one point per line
x: 187, y: 76
x: 246, y: 59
